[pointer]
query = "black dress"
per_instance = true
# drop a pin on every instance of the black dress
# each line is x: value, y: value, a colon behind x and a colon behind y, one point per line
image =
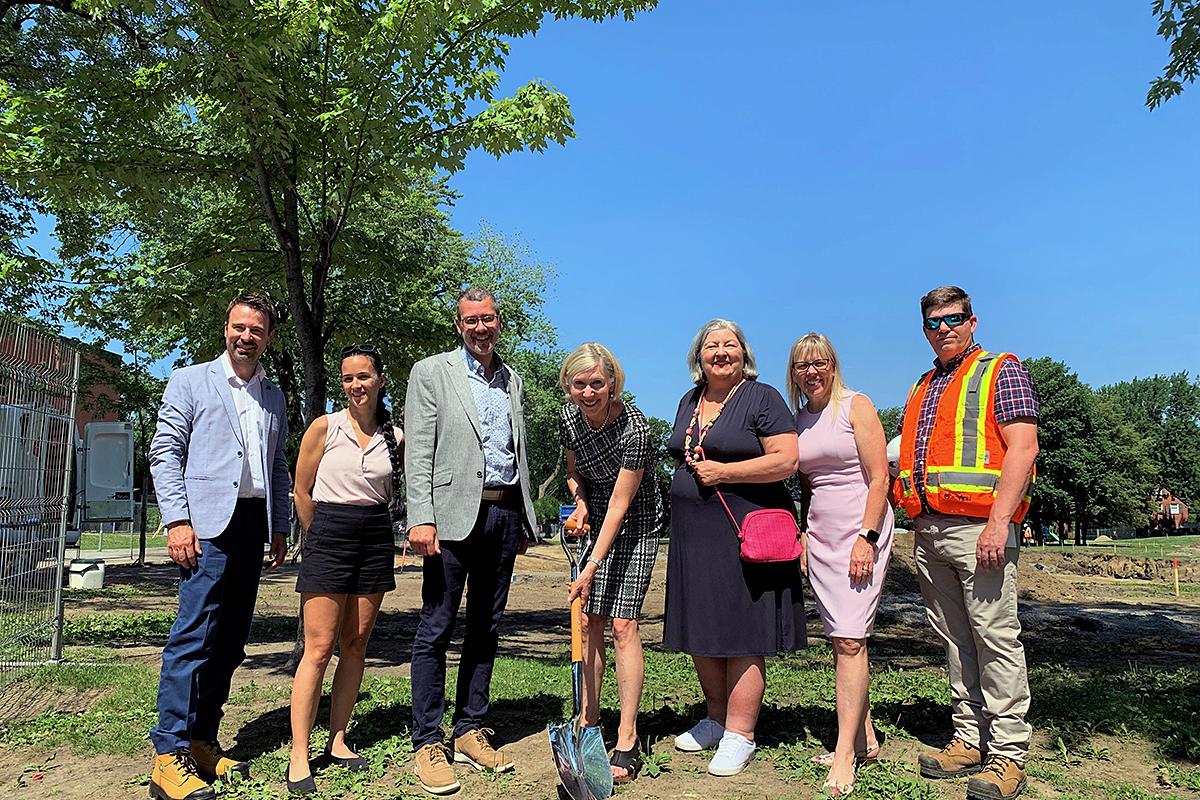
x: 717, y: 605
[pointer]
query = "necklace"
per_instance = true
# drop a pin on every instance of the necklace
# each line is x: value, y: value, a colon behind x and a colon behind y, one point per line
x: 693, y: 454
x: 607, y: 412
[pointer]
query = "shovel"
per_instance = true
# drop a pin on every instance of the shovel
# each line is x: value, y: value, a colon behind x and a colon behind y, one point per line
x: 579, y: 752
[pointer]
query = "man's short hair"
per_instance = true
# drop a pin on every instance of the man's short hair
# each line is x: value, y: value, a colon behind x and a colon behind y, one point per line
x: 944, y: 296
x: 259, y: 301
x: 476, y: 294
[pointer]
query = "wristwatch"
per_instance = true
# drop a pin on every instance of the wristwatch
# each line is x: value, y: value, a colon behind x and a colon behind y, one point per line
x: 870, y: 535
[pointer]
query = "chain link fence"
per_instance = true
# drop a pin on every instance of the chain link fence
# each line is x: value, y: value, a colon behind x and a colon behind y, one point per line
x: 39, y: 380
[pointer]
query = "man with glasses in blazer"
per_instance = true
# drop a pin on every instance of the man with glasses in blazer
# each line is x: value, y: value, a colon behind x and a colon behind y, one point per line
x: 470, y: 513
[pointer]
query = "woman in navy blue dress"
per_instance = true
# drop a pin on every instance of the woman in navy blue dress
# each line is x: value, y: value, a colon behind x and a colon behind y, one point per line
x: 737, y: 434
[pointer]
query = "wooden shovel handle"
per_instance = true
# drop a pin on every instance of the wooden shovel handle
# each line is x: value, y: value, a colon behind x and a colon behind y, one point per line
x: 577, y: 629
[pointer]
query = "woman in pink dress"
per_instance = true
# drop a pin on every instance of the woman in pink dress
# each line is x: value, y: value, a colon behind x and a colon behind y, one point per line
x: 847, y: 532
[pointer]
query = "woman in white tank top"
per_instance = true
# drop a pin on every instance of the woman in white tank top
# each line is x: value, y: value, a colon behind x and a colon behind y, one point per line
x: 347, y: 491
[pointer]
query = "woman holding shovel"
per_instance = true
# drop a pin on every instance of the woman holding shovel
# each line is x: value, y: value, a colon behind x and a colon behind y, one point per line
x: 609, y: 450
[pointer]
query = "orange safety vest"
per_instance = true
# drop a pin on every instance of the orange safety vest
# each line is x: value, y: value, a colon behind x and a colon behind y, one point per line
x: 966, y: 449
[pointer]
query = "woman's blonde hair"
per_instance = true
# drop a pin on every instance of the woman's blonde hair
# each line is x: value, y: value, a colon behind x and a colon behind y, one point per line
x: 813, y: 345
x: 588, y: 356
x: 749, y: 366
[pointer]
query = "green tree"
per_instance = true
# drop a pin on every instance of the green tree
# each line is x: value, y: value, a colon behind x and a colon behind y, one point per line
x: 1092, y: 466
x: 1179, y: 25
x: 1165, y: 411
x: 185, y: 148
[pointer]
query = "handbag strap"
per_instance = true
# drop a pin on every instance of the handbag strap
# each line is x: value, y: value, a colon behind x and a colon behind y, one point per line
x: 732, y: 519
x: 721, y: 497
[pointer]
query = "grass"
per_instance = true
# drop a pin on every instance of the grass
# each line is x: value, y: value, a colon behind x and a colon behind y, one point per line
x: 1181, y: 547
x: 119, y: 541
x: 1083, y: 718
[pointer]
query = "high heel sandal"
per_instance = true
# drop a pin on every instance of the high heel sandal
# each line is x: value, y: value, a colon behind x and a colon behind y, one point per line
x: 629, y: 760
x: 868, y: 756
x: 838, y: 789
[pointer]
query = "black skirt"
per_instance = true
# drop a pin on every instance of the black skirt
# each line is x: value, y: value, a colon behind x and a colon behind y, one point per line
x: 348, y: 550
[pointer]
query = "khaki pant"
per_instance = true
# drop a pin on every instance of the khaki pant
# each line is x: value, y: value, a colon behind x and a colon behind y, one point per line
x: 974, y: 611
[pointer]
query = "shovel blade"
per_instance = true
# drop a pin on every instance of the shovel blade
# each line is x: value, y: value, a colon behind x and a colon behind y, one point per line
x: 565, y: 748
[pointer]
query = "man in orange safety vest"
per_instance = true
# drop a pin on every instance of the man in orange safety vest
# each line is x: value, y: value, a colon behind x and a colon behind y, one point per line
x: 967, y: 449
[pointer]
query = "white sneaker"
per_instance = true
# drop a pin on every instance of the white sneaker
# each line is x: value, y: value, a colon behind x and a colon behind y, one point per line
x: 704, y: 735
x: 733, y: 754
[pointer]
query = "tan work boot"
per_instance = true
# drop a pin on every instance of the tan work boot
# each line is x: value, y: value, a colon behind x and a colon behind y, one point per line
x: 474, y: 748
x: 1001, y: 779
x: 212, y: 760
x: 954, y: 760
x: 174, y: 777
x: 433, y: 769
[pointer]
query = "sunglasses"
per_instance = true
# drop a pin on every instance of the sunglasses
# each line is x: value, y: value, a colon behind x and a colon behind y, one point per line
x: 359, y: 350
x: 951, y: 320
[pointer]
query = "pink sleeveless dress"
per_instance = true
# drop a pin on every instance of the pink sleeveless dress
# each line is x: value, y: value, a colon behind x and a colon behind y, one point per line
x: 829, y: 459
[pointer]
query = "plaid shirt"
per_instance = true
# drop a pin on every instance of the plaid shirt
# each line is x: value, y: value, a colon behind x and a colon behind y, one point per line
x: 1016, y: 397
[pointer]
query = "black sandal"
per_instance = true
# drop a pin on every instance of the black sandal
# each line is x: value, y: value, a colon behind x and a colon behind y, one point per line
x: 629, y: 760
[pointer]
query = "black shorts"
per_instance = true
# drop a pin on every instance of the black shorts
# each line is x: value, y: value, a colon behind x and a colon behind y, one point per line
x: 348, y: 550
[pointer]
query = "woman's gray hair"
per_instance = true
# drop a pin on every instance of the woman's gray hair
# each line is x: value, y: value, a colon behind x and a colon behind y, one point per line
x: 749, y: 366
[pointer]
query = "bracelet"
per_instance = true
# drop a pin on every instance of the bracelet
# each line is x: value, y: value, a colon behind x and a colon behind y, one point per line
x: 593, y: 561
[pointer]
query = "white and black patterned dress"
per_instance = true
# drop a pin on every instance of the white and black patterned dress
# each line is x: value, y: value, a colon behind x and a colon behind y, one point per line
x: 626, y: 442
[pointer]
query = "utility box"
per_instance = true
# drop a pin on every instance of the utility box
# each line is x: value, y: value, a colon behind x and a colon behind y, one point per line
x: 107, y: 472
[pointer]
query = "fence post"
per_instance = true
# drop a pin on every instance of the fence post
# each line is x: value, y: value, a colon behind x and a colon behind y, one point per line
x: 56, y: 642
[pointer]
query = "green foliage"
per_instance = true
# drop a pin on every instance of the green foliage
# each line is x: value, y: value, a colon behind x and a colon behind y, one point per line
x: 1165, y: 412
x: 1093, y: 468
x: 1179, y: 25
x: 188, y: 150
x: 112, y: 628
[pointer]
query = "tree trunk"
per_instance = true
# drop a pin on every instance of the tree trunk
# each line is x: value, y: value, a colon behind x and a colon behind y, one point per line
x: 546, y: 484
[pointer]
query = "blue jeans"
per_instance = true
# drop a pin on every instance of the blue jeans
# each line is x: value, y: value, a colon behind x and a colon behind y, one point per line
x: 484, y: 563
x: 208, y: 639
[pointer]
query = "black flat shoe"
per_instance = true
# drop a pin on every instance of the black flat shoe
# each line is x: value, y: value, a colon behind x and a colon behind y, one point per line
x: 354, y: 763
x: 629, y: 760
x: 301, y: 788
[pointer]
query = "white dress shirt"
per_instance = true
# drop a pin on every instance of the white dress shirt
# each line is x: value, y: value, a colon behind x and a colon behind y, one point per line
x: 247, y: 399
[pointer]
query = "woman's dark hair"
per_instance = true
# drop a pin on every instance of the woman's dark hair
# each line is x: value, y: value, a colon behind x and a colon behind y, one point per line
x: 383, y: 416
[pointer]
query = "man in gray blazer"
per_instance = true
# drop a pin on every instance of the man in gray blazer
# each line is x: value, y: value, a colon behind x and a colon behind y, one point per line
x: 222, y: 482
x: 470, y: 512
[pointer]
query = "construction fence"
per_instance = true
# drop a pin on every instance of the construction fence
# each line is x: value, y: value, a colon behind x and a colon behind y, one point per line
x: 39, y: 381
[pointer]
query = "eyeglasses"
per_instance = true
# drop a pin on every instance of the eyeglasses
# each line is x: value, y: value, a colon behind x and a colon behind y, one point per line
x: 359, y: 350
x: 951, y: 320
x: 820, y: 364
x: 471, y: 322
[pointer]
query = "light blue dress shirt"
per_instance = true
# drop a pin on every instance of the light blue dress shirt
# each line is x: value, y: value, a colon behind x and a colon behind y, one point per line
x: 495, y: 420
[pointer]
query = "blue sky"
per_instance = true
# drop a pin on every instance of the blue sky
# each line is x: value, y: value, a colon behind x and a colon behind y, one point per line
x: 798, y: 166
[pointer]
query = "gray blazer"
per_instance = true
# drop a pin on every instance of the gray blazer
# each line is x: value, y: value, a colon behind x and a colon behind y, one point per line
x: 196, y: 452
x: 443, y: 453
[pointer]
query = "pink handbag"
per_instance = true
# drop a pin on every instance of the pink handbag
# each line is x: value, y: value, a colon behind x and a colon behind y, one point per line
x: 767, y: 536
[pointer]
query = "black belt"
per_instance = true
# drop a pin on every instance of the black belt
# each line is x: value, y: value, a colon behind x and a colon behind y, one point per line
x: 501, y: 494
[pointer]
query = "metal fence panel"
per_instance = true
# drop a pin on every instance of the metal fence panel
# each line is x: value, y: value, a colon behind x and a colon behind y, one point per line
x: 39, y: 380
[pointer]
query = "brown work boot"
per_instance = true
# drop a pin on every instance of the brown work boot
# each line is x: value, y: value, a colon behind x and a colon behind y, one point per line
x: 175, y: 778
x: 954, y: 760
x: 433, y: 769
x: 1001, y: 779
x: 474, y: 748
x: 212, y: 760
